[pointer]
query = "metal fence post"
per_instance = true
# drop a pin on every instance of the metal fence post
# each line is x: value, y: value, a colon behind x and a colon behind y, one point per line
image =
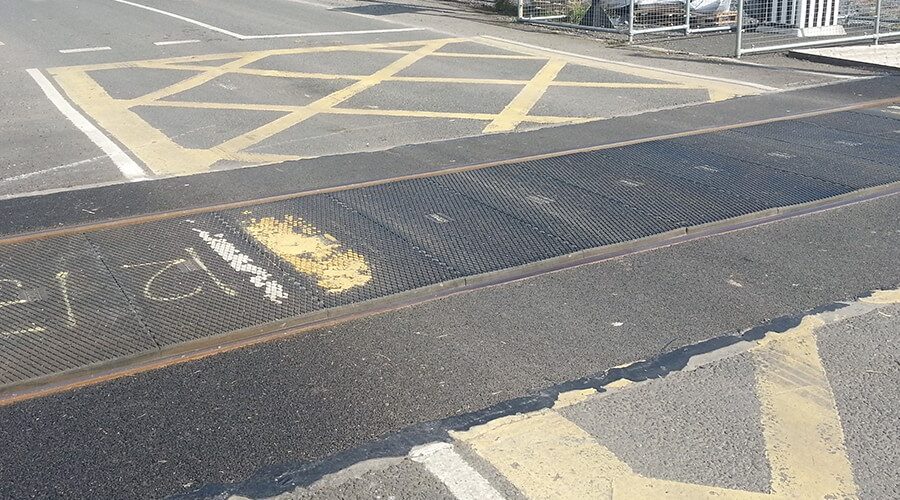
x: 521, y: 9
x: 740, y: 29
x: 687, y: 17
x: 631, y: 22
x: 877, y: 20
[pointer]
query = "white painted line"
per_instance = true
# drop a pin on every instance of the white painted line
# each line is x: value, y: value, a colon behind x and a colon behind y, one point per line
x: 175, y: 42
x: 129, y: 168
x: 2, y: 44
x: 330, y: 33
x: 464, y: 482
x: 182, y: 18
x: 632, y: 65
x: 83, y: 49
x: 261, y: 37
x: 381, y: 19
x: 27, y: 175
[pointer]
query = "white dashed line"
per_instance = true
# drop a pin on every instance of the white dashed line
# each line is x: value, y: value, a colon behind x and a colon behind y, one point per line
x: 175, y: 42
x: 83, y: 49
x: 129, y: 168
x: 464, y: 482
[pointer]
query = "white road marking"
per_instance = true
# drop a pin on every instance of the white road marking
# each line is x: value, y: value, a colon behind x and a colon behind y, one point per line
x: 381, y: 19
x: 83, y: 49
x: 182, y: 18
x: 129, y: 168
x: 2, y: 44
x: 331, y: 33
x: 464, y: 482
x: 260, y: 37
x: 175, y: 42
x: 242, y: 263
x: 49, y: 170
x: 632, y: 65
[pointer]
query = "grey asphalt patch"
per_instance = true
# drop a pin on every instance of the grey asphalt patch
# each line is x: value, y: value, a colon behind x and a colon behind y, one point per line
x: 576, y: 73
x: 130, y: 83
x: 605, y: 103
x: 862, y: 359
x: 447, y: 97
x: 203, y: 128
x: 404, y: 479
x: 495, y: 69
x: 475, y: 48
x: 338, y: 134
x: 253, y: 89
x: 700, y: 427
x: 333, y: 62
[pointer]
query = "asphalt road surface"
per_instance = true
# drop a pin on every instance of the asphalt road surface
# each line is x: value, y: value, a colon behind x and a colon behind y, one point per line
x: 106, y: 91
x: 659, y: 363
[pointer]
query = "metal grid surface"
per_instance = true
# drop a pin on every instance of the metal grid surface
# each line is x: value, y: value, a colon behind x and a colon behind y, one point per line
x: 61, y: 309
x: 867, y: 147
x: 465, y: 235
x: 803, y: 160
x: 578, y: 217
x: 73, y: 301
x: 743, y: 180
x: 183, y: 288
x: 388, y: 264
x: 640, y: 181
x: 879, y: 123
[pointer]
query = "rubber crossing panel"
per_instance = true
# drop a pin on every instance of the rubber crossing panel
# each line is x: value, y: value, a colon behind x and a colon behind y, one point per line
x: 82, y: 301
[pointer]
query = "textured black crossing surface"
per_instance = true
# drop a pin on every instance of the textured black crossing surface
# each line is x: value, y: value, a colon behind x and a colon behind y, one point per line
x: 83, y: 300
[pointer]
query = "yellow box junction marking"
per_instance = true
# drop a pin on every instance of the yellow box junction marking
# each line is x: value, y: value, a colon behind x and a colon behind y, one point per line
x: 311, y: 252
x: 165, y: 157
x: 545, y: 455
x: 801, y: 425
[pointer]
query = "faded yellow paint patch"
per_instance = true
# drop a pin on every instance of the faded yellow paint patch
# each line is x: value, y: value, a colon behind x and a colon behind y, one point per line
x: 801, y: 425
x: 545, y: 455
x: 618, y: 384
x: 311, y: 252
x: 883, y: 297
x: 570, y: 398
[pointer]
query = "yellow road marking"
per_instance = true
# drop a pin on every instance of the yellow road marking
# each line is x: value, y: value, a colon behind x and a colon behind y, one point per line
x: 162, y: 155
x: 570, y: 398
x: 717, y: 90
x: 311, y: 252
x: 883, y: 297
x: 365, y: 112
x: 195, y: 81
x: 801, y: 425
x: 513, y: 114
x: 153, y: 147
x: 280, y: 124
x: 545, y: 455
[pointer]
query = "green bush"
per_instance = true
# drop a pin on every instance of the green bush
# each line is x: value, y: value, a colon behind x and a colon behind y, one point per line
x: 576, y: 10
